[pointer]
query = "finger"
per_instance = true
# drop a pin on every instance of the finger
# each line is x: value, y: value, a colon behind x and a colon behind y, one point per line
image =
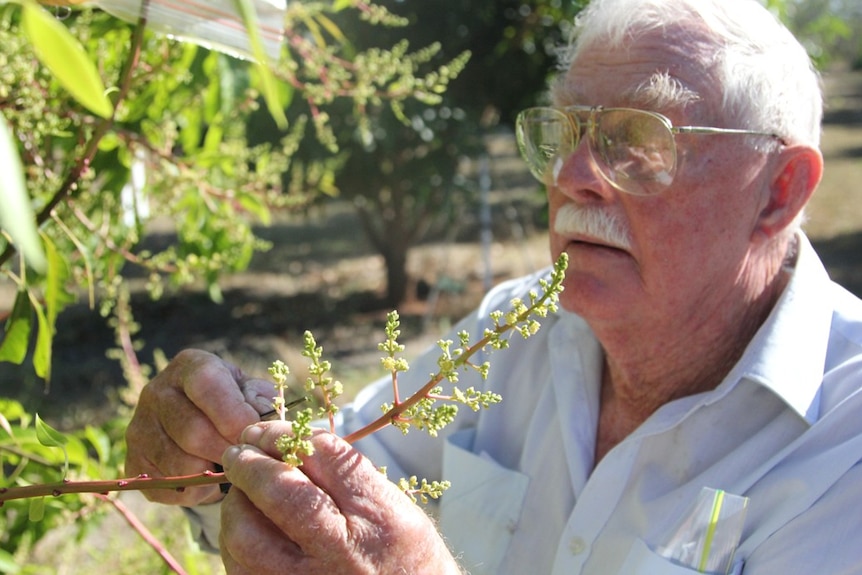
x: 258, y: 393
x: 199, y: 404
x: 152, y: 452
x: 231, y: 566
x: 213, y: 386
x: 336, y: 467
x: 282, y: 493
x: 337, y: 507
x: 189, y: 428
x: 251, y: 543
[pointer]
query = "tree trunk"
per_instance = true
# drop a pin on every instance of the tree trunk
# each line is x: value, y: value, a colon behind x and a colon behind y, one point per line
x: 395, y: 258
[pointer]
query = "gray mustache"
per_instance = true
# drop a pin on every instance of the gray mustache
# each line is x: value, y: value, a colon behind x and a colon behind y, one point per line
x: 593, y: 222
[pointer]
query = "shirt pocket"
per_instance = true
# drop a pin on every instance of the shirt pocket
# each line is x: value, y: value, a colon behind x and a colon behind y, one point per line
x: 480, y: 511
x: 642, y: 560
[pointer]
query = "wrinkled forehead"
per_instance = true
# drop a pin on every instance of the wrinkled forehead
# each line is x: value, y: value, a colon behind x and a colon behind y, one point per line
x: 663, y: 70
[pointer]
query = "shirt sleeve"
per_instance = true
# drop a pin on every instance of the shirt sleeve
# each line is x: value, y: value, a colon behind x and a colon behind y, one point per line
x: 205, y: 525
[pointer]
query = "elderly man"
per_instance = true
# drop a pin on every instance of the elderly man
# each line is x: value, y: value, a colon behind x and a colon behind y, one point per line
x: 694, y: 408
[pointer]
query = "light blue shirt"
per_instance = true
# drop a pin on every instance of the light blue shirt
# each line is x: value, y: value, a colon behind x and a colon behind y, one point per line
x: 783, y: 429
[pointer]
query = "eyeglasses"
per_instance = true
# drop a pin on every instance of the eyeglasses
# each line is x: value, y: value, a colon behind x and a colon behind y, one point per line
x: 634, y: 149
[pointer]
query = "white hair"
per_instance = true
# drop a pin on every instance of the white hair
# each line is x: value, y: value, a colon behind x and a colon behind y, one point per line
x: 767, y: 80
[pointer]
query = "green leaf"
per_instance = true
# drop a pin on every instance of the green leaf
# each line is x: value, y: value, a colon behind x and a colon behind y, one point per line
x: 4, y: 423
x: 332, y: 28
x: 47, y: 435
x: 212, y: 95
x: 44, y: 337
x: 253, y: 204
x: 14, y: 346
x: 267, y: 80
x: 100, y: 442
x: 56, y: 295
x: 50, y: 437
x: 313, y: 29
x: 13, y: 411
x: 8, y: 564
x: 17, y: 217
x: 214, y: 137
x: 77, y: 451
x: 37, y: 509
x: 64, y: 56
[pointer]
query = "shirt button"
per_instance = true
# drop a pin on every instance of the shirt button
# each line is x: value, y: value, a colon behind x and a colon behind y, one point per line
x: 577, y: 545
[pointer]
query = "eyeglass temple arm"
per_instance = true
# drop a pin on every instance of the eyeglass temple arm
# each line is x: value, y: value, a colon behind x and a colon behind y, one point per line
x: 707, y: 130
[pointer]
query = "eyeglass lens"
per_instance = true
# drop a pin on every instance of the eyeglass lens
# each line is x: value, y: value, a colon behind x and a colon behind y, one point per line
x: 634, y: 150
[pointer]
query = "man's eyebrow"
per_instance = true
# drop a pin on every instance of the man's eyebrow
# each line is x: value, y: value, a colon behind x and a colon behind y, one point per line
x: 660, y: 91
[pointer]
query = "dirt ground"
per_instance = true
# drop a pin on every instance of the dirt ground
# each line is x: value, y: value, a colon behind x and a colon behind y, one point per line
x: 321, y: 275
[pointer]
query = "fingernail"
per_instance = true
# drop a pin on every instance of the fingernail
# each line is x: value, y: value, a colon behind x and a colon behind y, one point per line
x: 230, y: 456
x: 252, y: 434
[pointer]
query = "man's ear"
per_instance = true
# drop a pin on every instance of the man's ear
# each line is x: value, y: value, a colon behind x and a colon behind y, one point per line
x: 796, y: 171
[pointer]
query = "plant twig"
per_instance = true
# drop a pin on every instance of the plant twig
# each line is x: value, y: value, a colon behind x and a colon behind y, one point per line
x: 399, y: 408
x: 141, y: 482
x: 145, y: 533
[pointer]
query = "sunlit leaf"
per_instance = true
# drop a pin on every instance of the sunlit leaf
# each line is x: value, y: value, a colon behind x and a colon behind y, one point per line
x: 8, y: 564
x: 64, y: 56
x: 212, y: 96
x: 313, y: 29
x: 100, y: 442
x: 50, y: 437
x: 267, y: 80
x: 12, y: 409
x: 190, y: 137
x: 17, y: 216
x: 214, y: 137
x: 77, y: 451
x: 256, y: 206
x: 56, y: 295
x: 37, y: 509
x: 332, y: 28
x: 14, y: 346
x: 44, y: 337
x: 7, y: 427
x: 85, y: 258
x: 47, y: 435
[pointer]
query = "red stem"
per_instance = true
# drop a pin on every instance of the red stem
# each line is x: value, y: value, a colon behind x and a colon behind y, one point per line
x: 399, y: 408
x: 105, y: 486
x: 145, y: 533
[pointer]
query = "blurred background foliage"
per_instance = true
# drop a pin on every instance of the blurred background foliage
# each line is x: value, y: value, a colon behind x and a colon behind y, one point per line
x: 399, y: 165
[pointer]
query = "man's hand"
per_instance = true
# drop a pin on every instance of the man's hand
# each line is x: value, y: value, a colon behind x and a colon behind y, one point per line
x: 335, y: 514
x: 187, y: 416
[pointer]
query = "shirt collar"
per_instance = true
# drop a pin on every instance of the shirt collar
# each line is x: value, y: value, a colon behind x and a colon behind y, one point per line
x: 788, y: 352
x: 786, y: 355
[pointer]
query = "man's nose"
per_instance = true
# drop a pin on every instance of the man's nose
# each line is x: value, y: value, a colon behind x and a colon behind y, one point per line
x: 578, y: 175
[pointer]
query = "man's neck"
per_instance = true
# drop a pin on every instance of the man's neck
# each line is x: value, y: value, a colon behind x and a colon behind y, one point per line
x: 645, y: 369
